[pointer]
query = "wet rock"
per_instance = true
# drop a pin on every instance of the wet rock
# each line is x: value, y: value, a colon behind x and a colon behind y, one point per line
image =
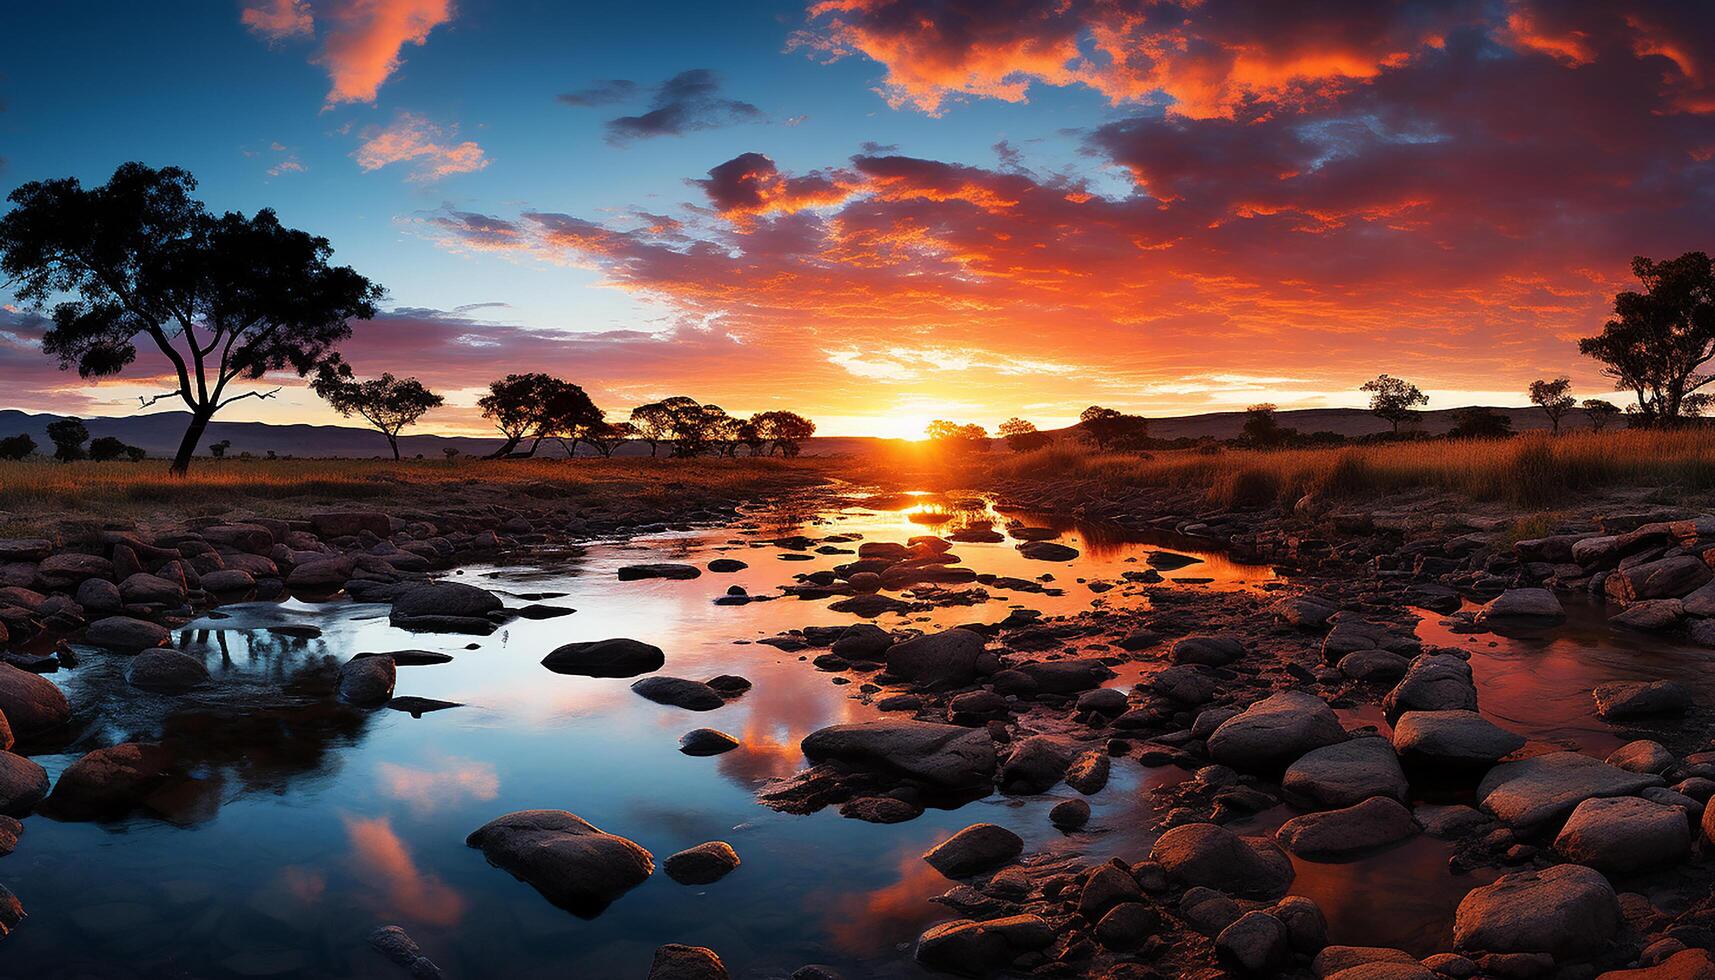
x: 727, y: 565
x: 1211, y: 651
x: 1334, y: 834
x: 679, y: 692
x: 880, y: 809
x: 31, y: 704
x: 1168, y: 561
x: 978, y: 948
x: 445, y: 607
x: 1038, y: 762
x: 945, y: 756
x: 1666, y: 578
x: 367, y: 680
x: 1625, y: 700
x: 1304, y: 612
x: 1650, y: 615
x: 417, y: 707
x: 618, y: 657
x: 125, y: 634
x: 1567, y: 911
x: 99, y: 595
x: 1127, y: 926
x: 1624, y: 835
x: 1433, y: 682
x: 1532, y: 791
x: 660, y: 569
x: 1274, y: 731
x: 419, y: 658
x: 398, y: 947
x: 1642, y: 755
x: 165, y: 671
x: 1306, y: 927
x: 1059, y: 676
x: 862, y: 641
x: 975, y: 849
x: 703, y: 864
x: 108, y: 782
x: 1256, y: 943
x: 1184, y: 683
x: 227, y: 581
x: 1452, y: 738
x: 1522, y: 607
x: 11, y: 911
x: 1374, y: 665
x: 1212, y: 856
x: 1069, y: 814
x: 707, y: 741
x: 937, y: 659
x: 569, y: 861
x: 23, y: 784
x: 1047, y: 551
x: 1345, y: 773
x: 678, y: 962
x: 1088, y: 773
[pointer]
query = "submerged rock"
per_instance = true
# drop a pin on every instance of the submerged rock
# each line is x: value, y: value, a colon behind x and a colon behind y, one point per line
x: 1047, y: 551
x: 573, y: 864
x: 618, y: 657
x: 675, y: 961
x: 660, y: 569
x: 707, y: 741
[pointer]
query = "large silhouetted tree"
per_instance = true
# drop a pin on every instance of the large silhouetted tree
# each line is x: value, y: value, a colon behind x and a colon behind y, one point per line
x: 17, y: 447
x: 1478, y: 422
x: 1394, y: 399
x: 782, y: 431
x: 388, y: 403
x: 1554, y: 398
x: 1600, y: 413
x: 514, y: 405
x: 223, y: 298
x: 68, y: 437
x: 1660, y: 340
x: 567, y: 416
x: 1022, y: 436
x: 653, y: 423
x: 1111, y: 429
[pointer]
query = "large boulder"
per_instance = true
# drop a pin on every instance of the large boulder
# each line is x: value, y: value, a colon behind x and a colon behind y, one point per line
x: 1452, y: 739
x: 1622, y: 835
x: 1217, y: 650
x: 108, y: 782
x: 1546, y: 787
x: 979, y: 948
x: 1335, y: 834
x: 65, y: 571
x: 946, y: 659
x: 165, y: 671
x: 619, y: 657
x: 125, y: 634
x: 1523, y: 607
x: 23, y: 784
x: 31, y: 703
x: 575, y: 865
x: 944, y: 756
x: 1626, y: 700
x: 1212, y: 856
x: 1345, y: 773
x: 367, y: 679
x: 977, y: 848
x: 1274, y: 731
x: 445, y: 607
x: 679, y: 692
x: 1433, y: 682
x: 1665, y: 578
x: 1567, y: 911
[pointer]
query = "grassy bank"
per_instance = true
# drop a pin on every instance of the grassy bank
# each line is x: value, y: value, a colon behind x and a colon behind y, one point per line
x: 38, y: 489
x: 1530, y: 471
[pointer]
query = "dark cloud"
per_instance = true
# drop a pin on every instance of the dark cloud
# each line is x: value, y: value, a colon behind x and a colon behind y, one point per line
x: 688, y: 101
x: 605, y: 92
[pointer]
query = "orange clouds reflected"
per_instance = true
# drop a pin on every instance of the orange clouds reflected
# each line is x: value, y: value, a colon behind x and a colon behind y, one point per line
x: 379, y: 853
x: 453, y: 781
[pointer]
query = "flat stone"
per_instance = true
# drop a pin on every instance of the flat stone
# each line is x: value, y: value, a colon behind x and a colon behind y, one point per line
x: 1211, y: 651
x: 569, y: 861
x: 1452, y: 738
x: 945, y: 756
x: 1274, y: 731
x: 1625, y: 700
x: 1335, y: 834
x: 1545, y: 787
x: 948, y: 658
x: 1524, y: 607
x: 1345, y: 773
x: 1567, y: 911
x: 679, y: 693
x: 1047, y: 551
x: 660, y: 569
x: 618, y: 657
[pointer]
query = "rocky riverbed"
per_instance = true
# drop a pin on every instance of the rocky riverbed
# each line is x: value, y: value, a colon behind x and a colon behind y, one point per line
x: 1041, y: 730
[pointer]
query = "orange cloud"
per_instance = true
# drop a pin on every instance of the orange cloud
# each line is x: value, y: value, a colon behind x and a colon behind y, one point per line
x: 364, y: 38
x: 278, y: 20
x: 430, y: 149
x: 450, y: 781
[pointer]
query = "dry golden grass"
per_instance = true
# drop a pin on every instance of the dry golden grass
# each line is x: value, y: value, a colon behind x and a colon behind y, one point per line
x: 1535, y: 470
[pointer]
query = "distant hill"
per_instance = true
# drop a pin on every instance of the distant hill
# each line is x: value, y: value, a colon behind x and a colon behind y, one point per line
x: 159, y: 433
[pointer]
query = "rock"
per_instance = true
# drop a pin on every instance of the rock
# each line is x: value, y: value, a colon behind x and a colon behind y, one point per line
x: 1334, y: 834
x: 1274, y: 731
x: 707, y: 741
x: 1567, y: 911
x: 1625, y: 700
x: 1038, y: 762
x: 1169, y: 561
x: 1345, y: 773
x: 445, y: 607
x: 165, y: 671
x: 946, y: 659
x: 25, y: 549
x: 1665, y: 578
x: 679, y: 693
x: 977, y: 848
x: 1212, y: 856
x: 1185, y: 683
x: 727, y: 565
x: 32, y: 704
x: 606, y: 658
x: 1374, y: 665
x: 816, y: 971
x: 1306, y: 927
x: 63, y: 572
x: 1304, y: 612
x: 1127, y: 926
x: 367, y: 679
x: 863, y: 641
x: 1069, y: 814
x: 395, y: 944
x: 143, y: 588
x: 1623, y: 835
x: 350, y: 523
x: 945, y: 756
x: 99, y: 595
x: 1060, y: 676
x: 1211, y: 651
x: 1089, y: 772
x: 108, y: 782
x: 703, y: 864
x: 570, y: 862
x: 1687, y: 964
x: 1047, y: 551
x: 227, y: 581
x: 1532, y: 791
x: 125, y: 634
x: 1650, y: 615
x: 331, y: 575
x: 679, y: 962
x: 11, y: 911
x: 1256, y: 943
x: 1452, y: 738
x: 1433, y: 682
x: 1642, y: 755
x: 660, y: 569
x: 880, y: 809
x: 978, y: 948
x: 1522, y: 607
x: 23, y: 784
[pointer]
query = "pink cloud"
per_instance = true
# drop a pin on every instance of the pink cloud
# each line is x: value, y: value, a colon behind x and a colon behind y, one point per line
x: 279, y: 20
x: 362, y: 47
x: 430, y: 149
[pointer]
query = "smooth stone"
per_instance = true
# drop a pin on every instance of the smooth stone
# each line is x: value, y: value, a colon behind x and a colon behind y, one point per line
x: 618, y: 657
x: 1532, y: 791
x: 660, y: 569
x: 1047, y: 551
x: 165, y: 671
x: 1452, y: 738
x: 945, y: 756
x: 679, y: 692
x: 23, y: 784
x: 1626, y: 700
x: 1567, y: 911
x: 1345, y: 773
x: 126, y: 634
x: 978, y: 948
x: 1211, y: 651
x: 948, y: 658
x: 706, y: 741
x: 975, y: 849
x: 31, y: 703
x: 367, y: 680
x: 1433, y: 682
x: 1069, y: 814
x: 1523, y: 607
x: 573, y: 864
x: 1256, y: 943
x: 1642, y: 755
x: 1334, y: 834
x: 1212, y: 856
x: 676, y: 961
x: 444, y: 607
x: 1624, y: 835
x: 1274, y: 731
x: 109, y: 781
x: 703, y: 864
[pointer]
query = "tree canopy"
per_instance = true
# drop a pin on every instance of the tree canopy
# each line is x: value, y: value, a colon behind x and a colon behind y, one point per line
x: 1554, y: 398
x: 1394, y: 399
x: 388, y: 403
x: 1660, y: 340
x: 1111, y: 429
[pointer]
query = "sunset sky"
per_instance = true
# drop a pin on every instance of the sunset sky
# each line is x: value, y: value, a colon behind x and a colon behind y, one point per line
x: 878, y: 212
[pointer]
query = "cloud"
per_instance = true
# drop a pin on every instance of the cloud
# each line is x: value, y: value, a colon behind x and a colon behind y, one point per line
x: 605, y: 92
x: 688, y: 101
x: 279, y: 20
x: 430, y: 149
x: 751, y: 184
x: 361, y: 39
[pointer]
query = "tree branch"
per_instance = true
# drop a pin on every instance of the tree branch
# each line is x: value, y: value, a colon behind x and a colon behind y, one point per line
x: 248, y: 394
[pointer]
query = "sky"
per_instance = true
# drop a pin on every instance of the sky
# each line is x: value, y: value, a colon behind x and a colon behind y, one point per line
x: 881, y: 212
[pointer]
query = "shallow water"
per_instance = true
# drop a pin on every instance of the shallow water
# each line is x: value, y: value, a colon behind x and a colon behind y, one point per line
x: 308, y: 826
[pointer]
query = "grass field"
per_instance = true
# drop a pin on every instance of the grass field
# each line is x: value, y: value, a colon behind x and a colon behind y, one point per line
x: 1535, y: 470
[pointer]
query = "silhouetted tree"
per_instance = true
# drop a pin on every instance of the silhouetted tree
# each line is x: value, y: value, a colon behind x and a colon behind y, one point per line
x: 1262, y: 429
x: 68, y: 436
x: 1478, y: 422
x: 567, y: 414
x: 783, y: 431
x: 1660, y: 339
x: 218, y: 450
x: 105, y: 449
x: 1601, y: 413
x: 514, y: 404
x: 388, y: 403
x: 17, y: 447
x: 692, y: 426
x: 1394, y: 399
x: 1112, y: 429
x: 969, y: 437
x: 653, y: 424
x: 450, y: 452
x: 223, y: 298
x: 135, y: 454
x: 1022, y: 436
x: 1554, y: 398
x: 609, y: 436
